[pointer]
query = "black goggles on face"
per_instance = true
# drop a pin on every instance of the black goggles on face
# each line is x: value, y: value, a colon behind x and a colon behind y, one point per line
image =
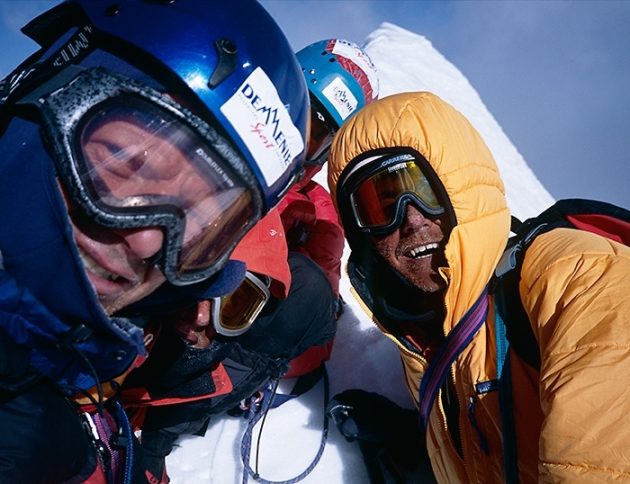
x: 234, y: 313
x: 381, y: 191
x: 132, y: 158
x: 321, y: 135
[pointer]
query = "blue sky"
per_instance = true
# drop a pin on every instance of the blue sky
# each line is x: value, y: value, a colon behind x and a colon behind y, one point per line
x: 555, y: 74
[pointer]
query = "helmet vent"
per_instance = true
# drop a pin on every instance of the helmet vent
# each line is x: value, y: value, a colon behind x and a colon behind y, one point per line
x: 227, y: 61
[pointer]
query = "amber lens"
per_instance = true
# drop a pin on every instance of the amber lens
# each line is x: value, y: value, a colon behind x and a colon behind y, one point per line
x: 374, y: 200
x: 240, y: 309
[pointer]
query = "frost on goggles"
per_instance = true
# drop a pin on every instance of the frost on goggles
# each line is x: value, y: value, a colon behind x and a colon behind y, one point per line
x: 233, y: 314
x: 376, y: 201
x: 321, y: 135
x: 132, y: 158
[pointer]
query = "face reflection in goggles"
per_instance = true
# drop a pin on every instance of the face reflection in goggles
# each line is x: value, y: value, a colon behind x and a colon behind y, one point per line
x: 140, y: 160
x: 233, y: 314
x: 321, y: 135
x: 378, y: 201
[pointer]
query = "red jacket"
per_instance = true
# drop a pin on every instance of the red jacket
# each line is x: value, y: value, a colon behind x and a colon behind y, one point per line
x: 312, y: 227
x: 264, y: 250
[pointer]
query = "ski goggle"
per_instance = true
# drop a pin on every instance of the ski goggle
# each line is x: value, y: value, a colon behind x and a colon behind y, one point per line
x: 132, y: 158
x: 234, y: 313
x: 321, y: 135
x: 379, y: 199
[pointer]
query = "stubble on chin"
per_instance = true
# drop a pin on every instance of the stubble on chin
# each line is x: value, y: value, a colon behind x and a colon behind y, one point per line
x: 424, y: 274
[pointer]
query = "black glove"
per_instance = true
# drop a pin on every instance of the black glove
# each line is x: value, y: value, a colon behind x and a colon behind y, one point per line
x: 386, y: 432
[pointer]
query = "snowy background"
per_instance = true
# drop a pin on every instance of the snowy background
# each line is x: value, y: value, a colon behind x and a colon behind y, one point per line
x: 362, y: 357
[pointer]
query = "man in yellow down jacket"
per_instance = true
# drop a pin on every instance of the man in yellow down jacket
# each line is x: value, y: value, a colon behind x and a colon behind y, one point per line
x: 425, y: 215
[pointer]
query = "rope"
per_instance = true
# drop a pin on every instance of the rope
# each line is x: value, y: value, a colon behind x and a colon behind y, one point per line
x: 254, y: 415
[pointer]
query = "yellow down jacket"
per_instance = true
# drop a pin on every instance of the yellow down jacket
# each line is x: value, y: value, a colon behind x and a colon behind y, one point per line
x: 572, y: 420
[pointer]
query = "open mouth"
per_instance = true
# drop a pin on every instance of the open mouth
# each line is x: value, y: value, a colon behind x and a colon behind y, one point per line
x: 95, y: 268
x: 422, y: 251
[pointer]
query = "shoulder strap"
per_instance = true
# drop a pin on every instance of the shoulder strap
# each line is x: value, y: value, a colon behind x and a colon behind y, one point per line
x: 456, y: 341
x: 508, y: 305
x: 510, y: 308
x: 504, y: 378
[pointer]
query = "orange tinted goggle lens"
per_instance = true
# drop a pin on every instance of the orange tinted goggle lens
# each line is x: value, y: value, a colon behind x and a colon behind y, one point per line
x: 374, y: 200
x: 238, y: 310
x: 139, y: 155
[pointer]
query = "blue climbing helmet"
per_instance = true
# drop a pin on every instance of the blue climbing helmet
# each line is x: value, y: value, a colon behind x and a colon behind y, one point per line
x: 190, y: 67
x: 341, y: 79
x: 196, y: 73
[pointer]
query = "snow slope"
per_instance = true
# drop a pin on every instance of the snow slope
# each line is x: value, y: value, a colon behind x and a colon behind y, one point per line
x: 362, y: 357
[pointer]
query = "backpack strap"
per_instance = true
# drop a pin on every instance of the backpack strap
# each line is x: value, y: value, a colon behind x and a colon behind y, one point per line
x: 517, y: 328
x: 508, y: 307
x: 504, y: 378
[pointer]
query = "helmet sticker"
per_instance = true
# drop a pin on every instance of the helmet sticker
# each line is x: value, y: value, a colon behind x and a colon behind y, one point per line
x: 262, y: 121
x: 341, y: 97
x: 350, y: 51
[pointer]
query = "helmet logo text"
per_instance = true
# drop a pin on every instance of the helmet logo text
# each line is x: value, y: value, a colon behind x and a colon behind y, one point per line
x: 264, y: 125
x: 341, y: 98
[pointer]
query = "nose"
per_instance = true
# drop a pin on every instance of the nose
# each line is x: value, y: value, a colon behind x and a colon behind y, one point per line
x: 413, y: 220
x: 203, y: 314
x: 144, y: 243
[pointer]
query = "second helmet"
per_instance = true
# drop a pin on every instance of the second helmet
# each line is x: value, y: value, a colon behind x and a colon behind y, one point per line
x: 340, y: 75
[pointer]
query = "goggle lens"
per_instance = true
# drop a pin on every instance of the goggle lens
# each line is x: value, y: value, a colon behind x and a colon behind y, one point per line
x: 136, y: 155
x: 237, y: 311
x: 374, y: 201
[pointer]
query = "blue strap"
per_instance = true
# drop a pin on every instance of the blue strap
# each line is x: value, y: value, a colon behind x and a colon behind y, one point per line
x: 461, y: 335
x: 504, y: 376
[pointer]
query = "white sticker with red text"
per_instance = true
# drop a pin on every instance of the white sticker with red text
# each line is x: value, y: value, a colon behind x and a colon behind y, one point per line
x: 341, y: 97
x: 262, y: 121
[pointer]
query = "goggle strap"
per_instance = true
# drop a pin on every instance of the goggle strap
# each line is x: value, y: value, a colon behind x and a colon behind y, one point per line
x: 360, y: 165
x: 23, y: 79
x: 59, y: 81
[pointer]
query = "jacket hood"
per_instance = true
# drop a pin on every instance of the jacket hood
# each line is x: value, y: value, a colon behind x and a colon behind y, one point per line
x: 424, y: 123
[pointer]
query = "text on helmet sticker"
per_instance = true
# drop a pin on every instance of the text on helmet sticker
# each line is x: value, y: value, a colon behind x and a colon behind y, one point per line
x: 259, y: 117
x: 352, y: 52
x: 340, y: 97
